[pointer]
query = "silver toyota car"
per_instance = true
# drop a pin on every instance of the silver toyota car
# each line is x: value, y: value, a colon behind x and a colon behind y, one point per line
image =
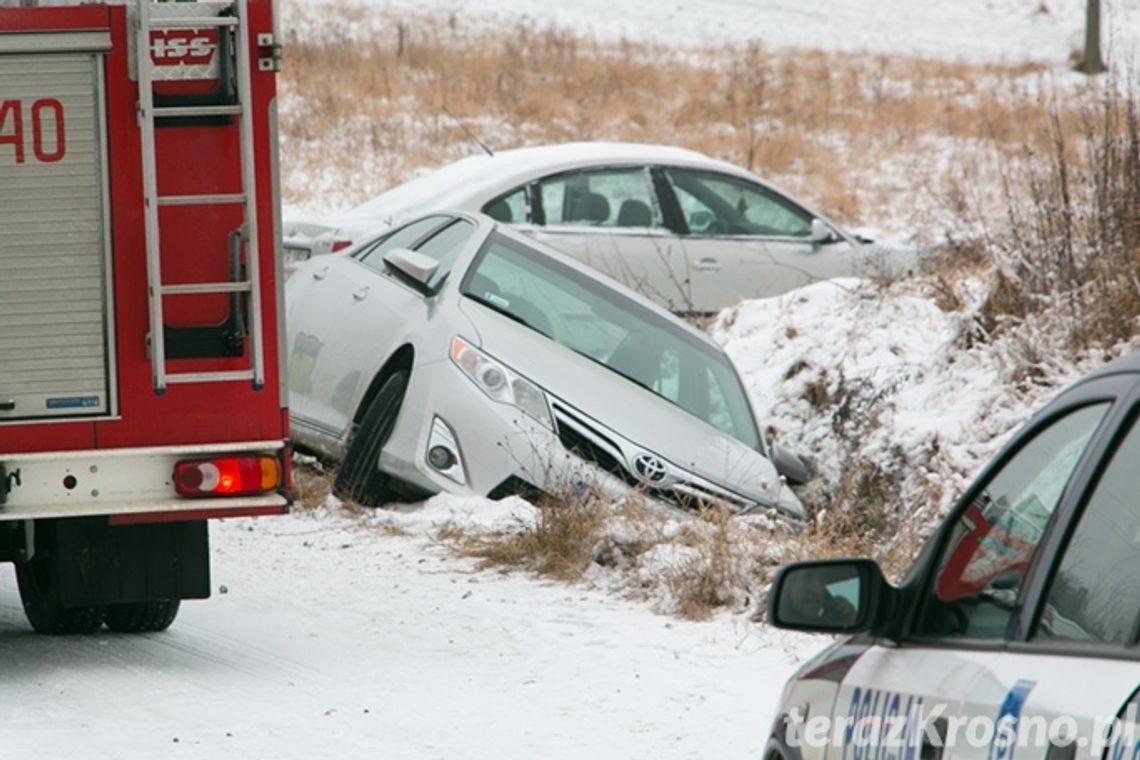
x: 455, y: 354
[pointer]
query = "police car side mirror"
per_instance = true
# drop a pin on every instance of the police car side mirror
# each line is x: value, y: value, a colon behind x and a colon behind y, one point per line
x: 828, y: 596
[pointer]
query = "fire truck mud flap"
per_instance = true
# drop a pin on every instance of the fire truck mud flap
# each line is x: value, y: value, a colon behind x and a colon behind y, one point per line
x: 93, y: 563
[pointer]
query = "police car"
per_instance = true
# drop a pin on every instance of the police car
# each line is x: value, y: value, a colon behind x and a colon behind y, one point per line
x: 1014, y: 634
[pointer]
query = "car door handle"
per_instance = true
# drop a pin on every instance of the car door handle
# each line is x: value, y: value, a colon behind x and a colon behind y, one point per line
x: 707, y: 264
x: 360, y: 293
x: 321, y: 273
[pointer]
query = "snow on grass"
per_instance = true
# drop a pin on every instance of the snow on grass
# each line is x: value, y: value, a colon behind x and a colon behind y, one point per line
x: 976, y: 30
x: 852, y: 373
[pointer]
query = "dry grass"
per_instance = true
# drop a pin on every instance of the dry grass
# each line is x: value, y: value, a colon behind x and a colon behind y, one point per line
x: 414, y: 93
x: 720, y: 567
x: 689, y: 567
x: 561, y: 545
x: 312, y: 484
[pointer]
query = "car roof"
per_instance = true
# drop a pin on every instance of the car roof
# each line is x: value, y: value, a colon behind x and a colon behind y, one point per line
x: 1127, y: 364
x: 484, y: 176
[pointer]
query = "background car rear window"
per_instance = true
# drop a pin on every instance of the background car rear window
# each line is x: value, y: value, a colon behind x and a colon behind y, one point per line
x: 510, y: 208
x: 606, y: 198
x: 983, y: 564
x: 1095, y: 594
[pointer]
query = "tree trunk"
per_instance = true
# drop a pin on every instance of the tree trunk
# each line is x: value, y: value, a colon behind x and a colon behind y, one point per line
x: 1092, y: 63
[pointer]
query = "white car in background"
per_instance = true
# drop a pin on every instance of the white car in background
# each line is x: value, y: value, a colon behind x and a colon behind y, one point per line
x: 692, y: 233
x: 1014, y: 635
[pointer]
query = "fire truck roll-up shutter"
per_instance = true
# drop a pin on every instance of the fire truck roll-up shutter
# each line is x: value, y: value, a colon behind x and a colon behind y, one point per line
x: 56, y: 347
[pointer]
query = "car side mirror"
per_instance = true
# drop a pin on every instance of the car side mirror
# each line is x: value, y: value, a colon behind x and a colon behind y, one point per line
x: 820, y: 232
x: 414, y: 267
x: 789, y: 464
x: 828, y: 596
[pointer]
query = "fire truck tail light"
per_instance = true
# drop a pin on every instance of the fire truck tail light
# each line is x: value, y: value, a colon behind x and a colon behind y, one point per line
x: 227, y: 476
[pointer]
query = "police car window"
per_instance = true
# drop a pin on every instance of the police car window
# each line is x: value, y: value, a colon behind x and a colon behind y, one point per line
x: 978, y: 581
x: 1095, y: 594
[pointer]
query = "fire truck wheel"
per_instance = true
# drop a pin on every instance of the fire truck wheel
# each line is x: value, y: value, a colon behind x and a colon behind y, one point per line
x: 359, y: 477
x: 142, y: 617
x: 39, y: 591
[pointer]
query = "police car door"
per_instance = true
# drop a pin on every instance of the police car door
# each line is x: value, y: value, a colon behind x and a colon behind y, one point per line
x: 915, y: 698
x: 1072, y: 665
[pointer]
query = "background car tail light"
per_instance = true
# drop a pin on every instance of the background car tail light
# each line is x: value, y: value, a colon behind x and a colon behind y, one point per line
x: 227, y: 476
x: 339, y: 245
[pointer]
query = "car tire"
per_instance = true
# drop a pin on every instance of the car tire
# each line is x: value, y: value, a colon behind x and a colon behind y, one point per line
x: 38, y: 582
x: 142, y: 617
x: 359, y: 478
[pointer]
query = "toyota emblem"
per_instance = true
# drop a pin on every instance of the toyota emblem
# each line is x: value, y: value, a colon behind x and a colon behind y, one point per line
x: 649, y: 468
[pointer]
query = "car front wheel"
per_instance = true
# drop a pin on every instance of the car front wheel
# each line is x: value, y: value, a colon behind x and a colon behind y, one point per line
x: 359, y: 477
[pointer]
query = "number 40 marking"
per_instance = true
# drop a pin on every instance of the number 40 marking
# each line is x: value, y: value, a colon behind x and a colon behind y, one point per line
x: 46, y: 116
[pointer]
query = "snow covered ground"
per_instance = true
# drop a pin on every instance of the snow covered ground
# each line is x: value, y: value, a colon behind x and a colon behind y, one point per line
x: 332, y: 638
x: 976, y: 30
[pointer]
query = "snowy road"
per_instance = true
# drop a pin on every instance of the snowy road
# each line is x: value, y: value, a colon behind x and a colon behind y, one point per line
x: 333, y: 640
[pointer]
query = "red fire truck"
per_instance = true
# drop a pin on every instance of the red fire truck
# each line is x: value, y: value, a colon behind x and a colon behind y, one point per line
x: 141, y: 387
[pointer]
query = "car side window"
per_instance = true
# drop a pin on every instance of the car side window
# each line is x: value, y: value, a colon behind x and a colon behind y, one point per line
x: 445, y: 246
x: 718, y: 204
x: 1095, y: 592
x: 404, y: 237
x: 977, y: 584
x: 510, y: 208
x: 612, y: 198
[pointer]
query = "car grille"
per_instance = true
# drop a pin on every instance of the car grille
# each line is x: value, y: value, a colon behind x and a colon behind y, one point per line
x: 586, y: 442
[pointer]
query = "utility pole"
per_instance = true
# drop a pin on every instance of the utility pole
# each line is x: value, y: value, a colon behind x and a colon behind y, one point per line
x: 1092, y: 63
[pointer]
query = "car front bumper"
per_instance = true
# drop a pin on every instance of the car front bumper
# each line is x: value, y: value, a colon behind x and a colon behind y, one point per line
x: 498, y: 443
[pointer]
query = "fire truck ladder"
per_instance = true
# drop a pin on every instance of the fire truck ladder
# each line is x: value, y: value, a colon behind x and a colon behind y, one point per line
x: 198, y: 15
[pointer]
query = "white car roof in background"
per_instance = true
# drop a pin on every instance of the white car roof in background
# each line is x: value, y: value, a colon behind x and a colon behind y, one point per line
x: 483, y: 176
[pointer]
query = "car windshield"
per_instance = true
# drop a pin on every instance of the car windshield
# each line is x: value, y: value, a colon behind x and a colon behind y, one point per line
x: 606, y: 326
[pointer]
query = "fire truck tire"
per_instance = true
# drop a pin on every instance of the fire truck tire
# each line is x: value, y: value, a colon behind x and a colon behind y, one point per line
x: 39, y: 592
x: 359, y: 477
x: 142, y: 617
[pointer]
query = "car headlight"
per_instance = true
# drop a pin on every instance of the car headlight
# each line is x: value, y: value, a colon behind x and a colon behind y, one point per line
x: 499, y: 382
